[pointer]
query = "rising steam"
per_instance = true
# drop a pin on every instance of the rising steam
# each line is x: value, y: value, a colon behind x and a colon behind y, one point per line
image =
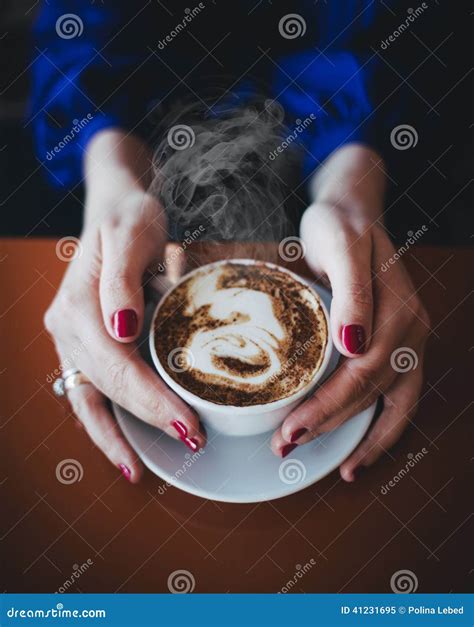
x: 214, y: 170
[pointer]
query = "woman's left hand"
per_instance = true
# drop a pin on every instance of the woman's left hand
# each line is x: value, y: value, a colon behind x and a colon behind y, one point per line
x: 377, y: 322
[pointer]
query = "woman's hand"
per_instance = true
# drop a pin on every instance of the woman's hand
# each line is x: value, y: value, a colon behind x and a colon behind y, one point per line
x: 97, y: 313
x: 377, y: 320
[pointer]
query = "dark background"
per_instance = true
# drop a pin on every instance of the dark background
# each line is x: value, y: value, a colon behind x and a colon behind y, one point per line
x: 429, y: 184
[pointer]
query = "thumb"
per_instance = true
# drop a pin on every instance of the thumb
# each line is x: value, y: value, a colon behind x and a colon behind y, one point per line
x: 124, y: 261
x: 349, y: 271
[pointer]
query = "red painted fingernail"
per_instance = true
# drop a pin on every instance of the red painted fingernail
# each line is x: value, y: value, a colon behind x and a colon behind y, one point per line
x: 296, y: 435
x: 353, y: 338
x: 286, y: 450
x: 359, y: 471
x: 126, y: 472
x: 125, y: 323
x: 190, y: 443
x: 180, y: 428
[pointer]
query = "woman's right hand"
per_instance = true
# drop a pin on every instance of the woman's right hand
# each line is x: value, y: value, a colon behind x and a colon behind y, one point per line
x: 97, y: 313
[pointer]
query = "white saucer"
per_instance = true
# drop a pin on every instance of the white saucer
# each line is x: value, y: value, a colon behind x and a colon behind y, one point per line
x: 241, y: 469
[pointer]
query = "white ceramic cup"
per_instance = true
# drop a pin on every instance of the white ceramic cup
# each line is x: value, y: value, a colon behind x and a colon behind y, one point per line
x: 252, y: 419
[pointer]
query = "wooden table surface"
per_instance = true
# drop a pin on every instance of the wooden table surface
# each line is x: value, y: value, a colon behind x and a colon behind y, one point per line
x: 106, y: 535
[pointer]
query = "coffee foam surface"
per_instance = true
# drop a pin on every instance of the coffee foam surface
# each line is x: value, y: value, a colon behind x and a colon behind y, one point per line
x: 248, y: 334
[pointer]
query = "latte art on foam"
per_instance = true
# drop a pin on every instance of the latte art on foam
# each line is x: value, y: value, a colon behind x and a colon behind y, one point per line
x: 243, y: 325
x: 245, y: 347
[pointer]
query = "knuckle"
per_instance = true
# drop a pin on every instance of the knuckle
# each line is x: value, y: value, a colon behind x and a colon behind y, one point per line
x: 116, y: 379
x: 360, y: 293
x: 118, y: 282
x: 50, y: 320
x: 361, y: 383
x: 66, y: 301
x: 323, y: 415
x: 111, y: 224
x: 319, y: 410
x: 158, y: 408
x: 127, y: 224
x: 163, y: 407
x: 56, y: 312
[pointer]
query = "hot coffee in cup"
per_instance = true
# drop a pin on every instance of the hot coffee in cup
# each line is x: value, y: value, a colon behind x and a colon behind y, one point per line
x: 242, y: 342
